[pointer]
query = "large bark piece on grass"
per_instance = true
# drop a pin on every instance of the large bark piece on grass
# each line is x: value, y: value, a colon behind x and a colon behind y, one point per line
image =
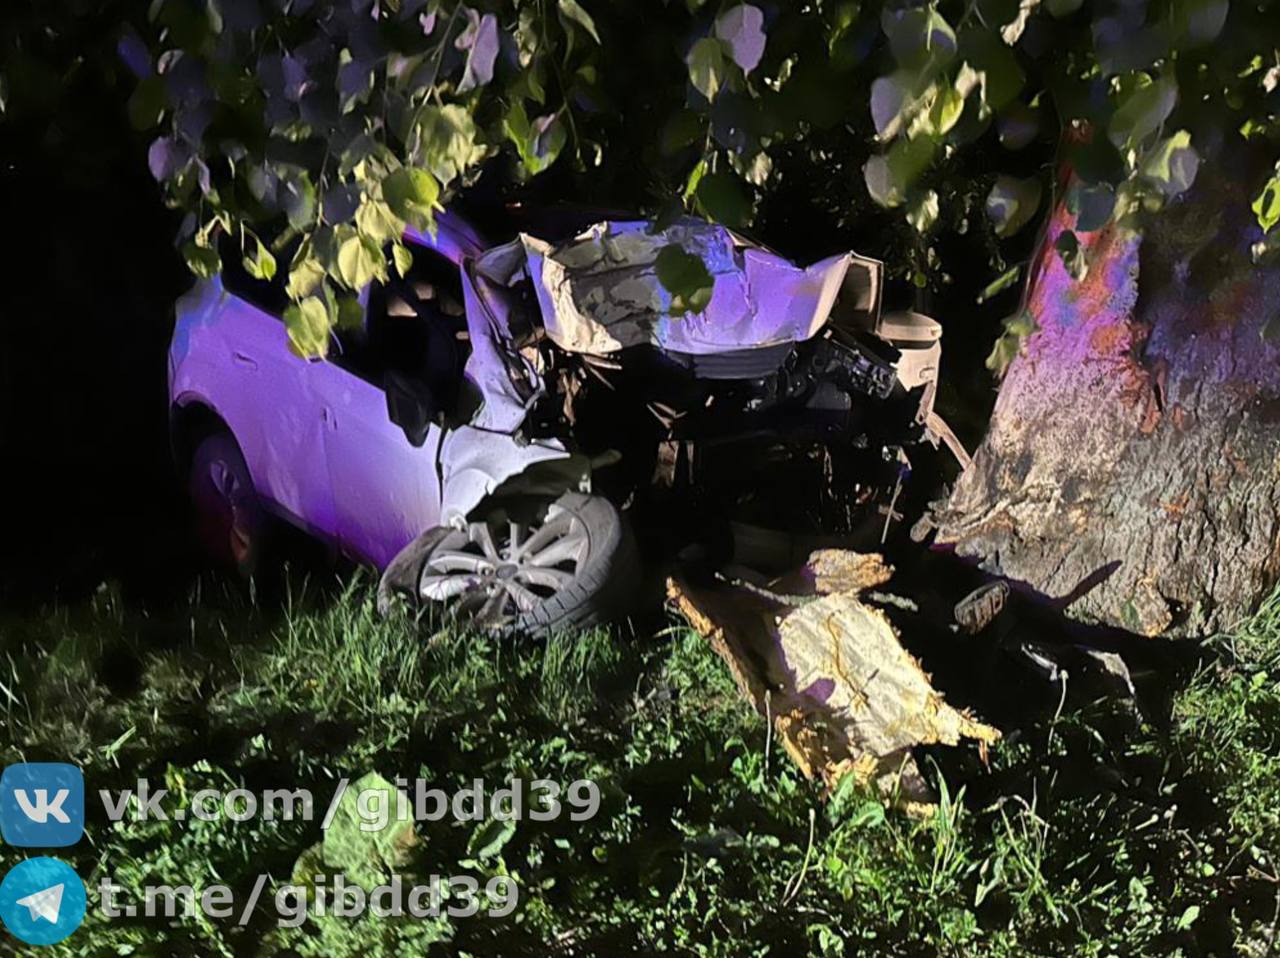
x: 829, y: 671
x: 1132, y: 464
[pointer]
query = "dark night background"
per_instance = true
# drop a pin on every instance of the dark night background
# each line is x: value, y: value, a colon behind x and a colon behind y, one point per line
x: 90, y: 275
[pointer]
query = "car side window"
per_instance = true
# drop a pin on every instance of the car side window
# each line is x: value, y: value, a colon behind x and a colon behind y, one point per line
x: 268, y: 295
x: 414, y: 327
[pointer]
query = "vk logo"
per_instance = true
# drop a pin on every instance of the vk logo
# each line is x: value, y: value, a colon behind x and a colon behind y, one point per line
x: 42, y: 901
x: 40, y: 810
x: 41, y: 805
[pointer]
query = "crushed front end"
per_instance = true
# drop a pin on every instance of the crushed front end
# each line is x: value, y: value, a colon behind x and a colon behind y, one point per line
x: 790, y: 402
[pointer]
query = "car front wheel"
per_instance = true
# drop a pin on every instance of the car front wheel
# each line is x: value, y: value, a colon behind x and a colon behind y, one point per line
x: 574, y: 565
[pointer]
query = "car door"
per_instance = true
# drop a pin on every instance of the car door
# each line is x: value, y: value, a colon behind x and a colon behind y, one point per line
x: 267, y: 395
x: 387, y: 488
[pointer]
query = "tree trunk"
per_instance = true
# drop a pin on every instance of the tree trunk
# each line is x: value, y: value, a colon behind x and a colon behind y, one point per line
x: 1132, y: 466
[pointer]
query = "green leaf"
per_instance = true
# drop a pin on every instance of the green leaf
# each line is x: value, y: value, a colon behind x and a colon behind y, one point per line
x: 1016, y: 330
x: 919, y: 37
x: 306, y: 273
x: 889, y: 95
x: 402, y: 259
x: 413, y: 195
x: 1012, y: 203
x: 706, y: 63
x: 909, y: 158
x: 1091, y: 205
x: 1002, y: 75
x: 755, y: 170
x: 359, y: 260
x: 307, y: 324
x: 685, y: 277
x: 1000, y: 283
x: 1198, y: 22
x: 204, y: 261
x: 1072, y: 254
x: 723, y: 199
x: 355, y: 82
x: 446, y: 141
x: 550, y: 137
x: 922, y: 213
x: 350, y: 314
x: 368, y: 838
x: 684, y: 128
x: 945, y: 111
x: 741, y: 27
x: 259, y: 263
x: 490, y: 837
x: 516, y: 123
x: 1137, y: 891
x: 881, y: 184
x: 376, y: 220
x: 1142, y: 107
x: 870, y: 814
x: 298, y: 196
x: 1173, y: 164
x: 889, y: 176
x: 694, y: 180
x: 1266, y: 207
x: 148, y: 103
x: 539, y: 143
x: 572, y: 10
x: 1188, y: 918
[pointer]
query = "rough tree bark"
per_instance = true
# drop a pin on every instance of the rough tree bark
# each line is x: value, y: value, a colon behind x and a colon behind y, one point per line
x: 1132, y: 466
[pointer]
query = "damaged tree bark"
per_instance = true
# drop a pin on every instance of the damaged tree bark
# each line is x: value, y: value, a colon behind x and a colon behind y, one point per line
x: 827, y: 669
x: 1132, y: 464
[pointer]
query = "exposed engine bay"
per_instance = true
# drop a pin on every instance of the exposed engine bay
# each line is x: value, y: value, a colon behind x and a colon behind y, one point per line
x: 831, y: 394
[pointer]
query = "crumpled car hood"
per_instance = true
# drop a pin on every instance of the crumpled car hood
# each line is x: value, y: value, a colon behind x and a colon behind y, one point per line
x: 599, y: 292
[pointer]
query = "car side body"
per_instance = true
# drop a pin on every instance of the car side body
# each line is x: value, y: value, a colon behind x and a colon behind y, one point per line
x: 316, y: 437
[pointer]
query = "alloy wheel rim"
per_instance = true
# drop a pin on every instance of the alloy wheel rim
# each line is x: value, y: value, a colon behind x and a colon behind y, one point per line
x: 492, y: 573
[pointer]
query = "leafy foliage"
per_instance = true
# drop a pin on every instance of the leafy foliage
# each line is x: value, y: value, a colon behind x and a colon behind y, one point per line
x: 315, y: 120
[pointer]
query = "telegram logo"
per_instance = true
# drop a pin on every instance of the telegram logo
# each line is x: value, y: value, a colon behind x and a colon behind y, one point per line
x: 41, y: 805
x: 42, y: 901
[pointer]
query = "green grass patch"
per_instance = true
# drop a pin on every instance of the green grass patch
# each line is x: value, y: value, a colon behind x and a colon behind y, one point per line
x: 1158, y: 840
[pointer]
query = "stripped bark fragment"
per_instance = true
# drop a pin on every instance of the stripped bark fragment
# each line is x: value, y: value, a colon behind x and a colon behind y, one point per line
x: 843, y: 694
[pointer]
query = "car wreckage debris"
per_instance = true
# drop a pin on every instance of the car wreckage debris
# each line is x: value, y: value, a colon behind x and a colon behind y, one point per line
x: 827, y: 669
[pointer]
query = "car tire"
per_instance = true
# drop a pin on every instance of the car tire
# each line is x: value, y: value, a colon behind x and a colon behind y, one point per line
x: 230, y: 521
x: 576, y: 566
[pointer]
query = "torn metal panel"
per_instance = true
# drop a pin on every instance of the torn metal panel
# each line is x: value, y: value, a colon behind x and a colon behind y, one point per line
x: 599, y: 293
x: 843, y: 694
x: 503, y: 379
x: 475, y: 463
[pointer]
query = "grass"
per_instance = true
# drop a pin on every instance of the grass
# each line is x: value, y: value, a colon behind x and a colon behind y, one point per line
x: 1158, y: 839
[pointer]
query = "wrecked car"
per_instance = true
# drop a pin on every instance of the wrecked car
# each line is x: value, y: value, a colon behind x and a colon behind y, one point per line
x: 481, y: 434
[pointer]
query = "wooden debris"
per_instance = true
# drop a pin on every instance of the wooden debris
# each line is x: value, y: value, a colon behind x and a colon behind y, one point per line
x: 843, y: 694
